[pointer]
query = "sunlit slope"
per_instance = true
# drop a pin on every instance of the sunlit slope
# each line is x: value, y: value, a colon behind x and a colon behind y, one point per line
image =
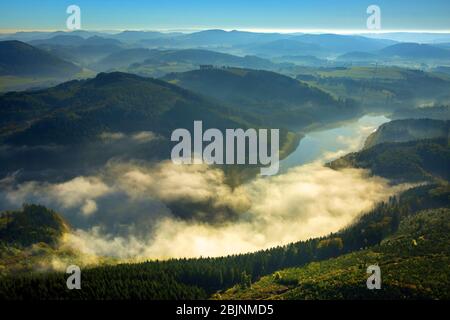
x: 421, y: 242
x: 31, y: 225
x: 414, y: 262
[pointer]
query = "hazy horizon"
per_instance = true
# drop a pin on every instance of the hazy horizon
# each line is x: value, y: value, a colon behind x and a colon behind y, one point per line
x: 252, y: 30
x: 233, y: 14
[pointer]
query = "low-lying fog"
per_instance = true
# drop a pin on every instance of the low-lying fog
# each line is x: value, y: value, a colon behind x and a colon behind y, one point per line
x: 126, y: 210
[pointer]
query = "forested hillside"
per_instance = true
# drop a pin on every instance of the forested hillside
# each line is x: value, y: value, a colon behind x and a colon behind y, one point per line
x: 201, y: 278
x: 274, y: 99
x: 86, y: 177
x: 21, y: 59
x: 33, y: 224
x: 77, y: 111
x: 408, y: 130
x: 413, y: 161
x: 403, y: 235
x: 414, y: 263
x: 81, y: 124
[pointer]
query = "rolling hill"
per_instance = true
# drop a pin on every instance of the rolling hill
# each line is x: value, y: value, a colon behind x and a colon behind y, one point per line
x: 205, y: 57
x: 214, y: 38
x: 410, y: 150
x: 434, y: 112
x: 272, y: 98
x: 319, y: 45
x: 408, y: 130
x: 122, y: 58
x: 383, y: 88
x: 283, y: 47
x: 32, y: 224
x: 62, y: 40
x: 76, y: 111
x: 39, y: 35
x: 339, y: 44
x: 139, y: 59
x: 415, y: 51
x: 21, y: 59
x: 75, y: 40
x: 356, y: 56
x: 413, y: 161
x: 162, y: 62
x: 62, y: 128
x: 133, y: 36
x: 83, y: 51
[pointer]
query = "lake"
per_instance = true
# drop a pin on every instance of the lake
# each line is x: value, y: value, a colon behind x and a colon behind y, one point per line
x: 329, y: 144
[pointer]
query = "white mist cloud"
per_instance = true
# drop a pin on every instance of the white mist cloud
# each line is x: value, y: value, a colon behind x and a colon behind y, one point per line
x: 144, y: 136
x: 200, y: 187
x: 89, y: 207
x: 80, y: 192
x: 188, y: 183
x: 112, y: 136
x: 138, y: 137
x: 307, y: 201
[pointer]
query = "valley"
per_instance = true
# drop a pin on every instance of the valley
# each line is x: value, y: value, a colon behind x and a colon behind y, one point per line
x: 90, y: 122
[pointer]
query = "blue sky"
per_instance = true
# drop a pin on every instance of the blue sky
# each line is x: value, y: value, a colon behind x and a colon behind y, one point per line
x: 231, y: 14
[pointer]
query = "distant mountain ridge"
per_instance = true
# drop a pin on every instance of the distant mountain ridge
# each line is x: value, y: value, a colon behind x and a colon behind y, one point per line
x: 83, y: 51
x: 141, y: 57
x: 415, y: 50
x: 337, y: 43
x: 75, y: 40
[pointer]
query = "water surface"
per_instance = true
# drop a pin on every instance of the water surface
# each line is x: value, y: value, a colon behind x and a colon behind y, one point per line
x: 329, y: 144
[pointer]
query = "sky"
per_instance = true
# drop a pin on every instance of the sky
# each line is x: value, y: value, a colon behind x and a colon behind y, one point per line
x: 262, y: 15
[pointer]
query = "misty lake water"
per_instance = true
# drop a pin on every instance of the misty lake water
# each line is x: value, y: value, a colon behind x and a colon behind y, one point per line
x: 329, y: 144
